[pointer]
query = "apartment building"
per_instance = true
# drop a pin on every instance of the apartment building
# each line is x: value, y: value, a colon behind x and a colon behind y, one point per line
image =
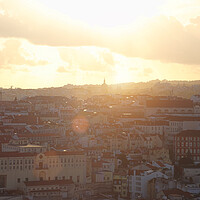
x: 187, y: 143
x: 120, y: 183
x: 138, y: 181
x: 168, y: 106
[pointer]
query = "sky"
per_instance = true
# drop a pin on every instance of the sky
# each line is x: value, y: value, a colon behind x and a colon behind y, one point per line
x: 51, y: 43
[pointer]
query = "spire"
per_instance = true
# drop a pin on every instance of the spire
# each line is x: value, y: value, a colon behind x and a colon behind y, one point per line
x: 104, y: 81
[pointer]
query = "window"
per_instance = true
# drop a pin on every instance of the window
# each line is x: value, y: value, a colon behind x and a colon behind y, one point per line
x: 78, y: 179
x: 18, y: 180
x: 138, y: 188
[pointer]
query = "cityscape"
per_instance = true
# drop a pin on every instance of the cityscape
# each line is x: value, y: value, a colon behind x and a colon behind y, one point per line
x: 107, y: 146
x: 99, y: 100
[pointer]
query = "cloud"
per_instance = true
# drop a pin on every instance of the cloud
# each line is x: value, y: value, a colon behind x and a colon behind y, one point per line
x: 147, y: 71
x: 42, y: 27
x: 88, y: 59
x: 63, y: 69
x: 164, y: 39
x: 161, y: 38
x: 13, y: 54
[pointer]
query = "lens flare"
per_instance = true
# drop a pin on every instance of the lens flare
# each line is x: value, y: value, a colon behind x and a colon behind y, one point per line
x: 80, y: 124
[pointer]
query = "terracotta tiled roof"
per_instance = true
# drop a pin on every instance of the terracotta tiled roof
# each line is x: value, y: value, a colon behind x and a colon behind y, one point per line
x: 160, y: 163
x: 5, y: 138
x: 190, y: 133
x: 177, y: 191
x: 152, y: 167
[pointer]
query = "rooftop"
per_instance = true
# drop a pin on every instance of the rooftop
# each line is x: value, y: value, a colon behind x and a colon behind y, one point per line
x: 49, y: 182
x: 189, y: 133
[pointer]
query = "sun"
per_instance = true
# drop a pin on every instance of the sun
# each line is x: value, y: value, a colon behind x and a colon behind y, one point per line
x: 123, y: 74
x: 106, y: 13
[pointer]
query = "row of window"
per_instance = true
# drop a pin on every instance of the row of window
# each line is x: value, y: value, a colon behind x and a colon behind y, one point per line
x: 64, y: 165
x: 26, y: 167
x: 45, y: 193
x: 193, y: 157
x: 194, y: 144
x: 188, y: 138
x: 13, y: 162
x: 188, y: 150
x: 64, y: 160
x: 31, y: 167
x: 48, y: 188
x: 124, y: 188
x: 150, y: 127
x: 31, y: 161
x: 174, y: 111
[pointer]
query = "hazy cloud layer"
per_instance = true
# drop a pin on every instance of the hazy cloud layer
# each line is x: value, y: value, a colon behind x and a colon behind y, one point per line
x: 12, y: 55
x: 87, y: 59
x: 162, y: 38
x: 62, y: 69
x: 147, y: 71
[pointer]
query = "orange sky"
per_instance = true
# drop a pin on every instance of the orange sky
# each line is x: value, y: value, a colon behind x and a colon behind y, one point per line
x: 46, y: 43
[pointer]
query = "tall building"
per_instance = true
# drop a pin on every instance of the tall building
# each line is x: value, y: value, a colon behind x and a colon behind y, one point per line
x: 104, y: 87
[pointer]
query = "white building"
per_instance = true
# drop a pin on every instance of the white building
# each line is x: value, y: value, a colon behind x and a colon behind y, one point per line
x: 15, y: 168
x: 138, y: 181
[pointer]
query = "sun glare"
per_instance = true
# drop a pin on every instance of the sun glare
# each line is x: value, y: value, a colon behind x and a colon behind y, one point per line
x: 106, y: 13
x: 123, y: 74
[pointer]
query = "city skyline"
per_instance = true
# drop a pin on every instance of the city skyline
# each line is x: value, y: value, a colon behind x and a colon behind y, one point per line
x: 55, y: 43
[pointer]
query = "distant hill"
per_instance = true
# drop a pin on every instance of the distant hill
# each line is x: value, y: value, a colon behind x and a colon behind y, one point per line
x: 155, y: 87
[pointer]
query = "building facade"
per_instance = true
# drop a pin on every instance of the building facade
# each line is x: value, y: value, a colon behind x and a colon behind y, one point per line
x: 187, y: 143
x: 16, y: 168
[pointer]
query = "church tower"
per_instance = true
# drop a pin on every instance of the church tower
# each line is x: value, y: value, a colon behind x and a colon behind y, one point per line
x: 104, y: 87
